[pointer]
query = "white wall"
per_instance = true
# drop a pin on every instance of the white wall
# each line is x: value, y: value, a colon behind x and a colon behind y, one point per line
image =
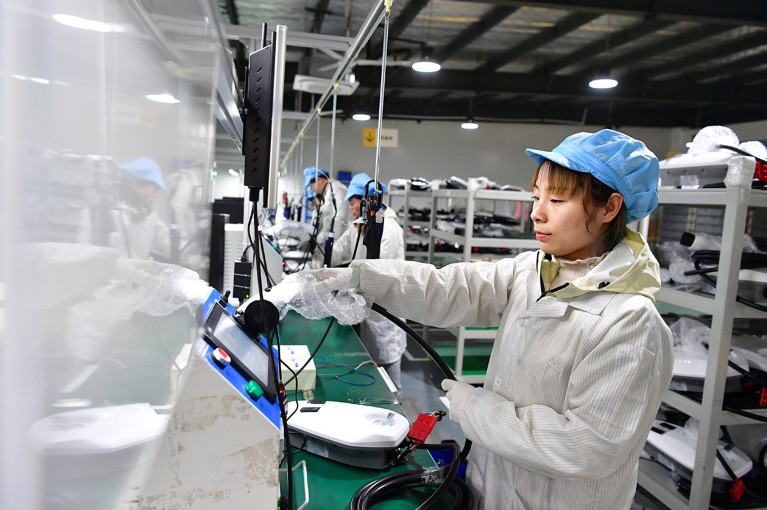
x: 442, y: 149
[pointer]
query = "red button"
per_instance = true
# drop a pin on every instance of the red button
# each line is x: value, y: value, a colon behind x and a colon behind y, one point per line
x: 221, y: 357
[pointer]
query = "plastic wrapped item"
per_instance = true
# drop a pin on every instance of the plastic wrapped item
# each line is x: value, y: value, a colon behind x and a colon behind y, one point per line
x: 755, y: 148
x: 689, y: 335
x: 298, y: 292
x: 710, y: 138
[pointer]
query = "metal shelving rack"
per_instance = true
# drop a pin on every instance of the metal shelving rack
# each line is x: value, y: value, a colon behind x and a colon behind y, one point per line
x: 469, y: 241
x: 735, y: 200
x: 408, y: 195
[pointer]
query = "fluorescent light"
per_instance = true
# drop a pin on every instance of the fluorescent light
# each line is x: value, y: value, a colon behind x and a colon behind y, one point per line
x: 426, y: 66
x: 82, y: 23
x: 233, y: 172
x: 603, y: 83
x: 41, y: 81
x: 162, y: 98
x: 361, y: 116
x: 469, y: 124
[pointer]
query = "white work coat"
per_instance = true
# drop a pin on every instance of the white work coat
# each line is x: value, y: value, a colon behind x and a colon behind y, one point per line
x: 384, y: 340
x: 342, y: 218
x: 574, y: 379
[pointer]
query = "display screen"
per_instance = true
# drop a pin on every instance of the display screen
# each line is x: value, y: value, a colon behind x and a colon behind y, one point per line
x: 239, y: 345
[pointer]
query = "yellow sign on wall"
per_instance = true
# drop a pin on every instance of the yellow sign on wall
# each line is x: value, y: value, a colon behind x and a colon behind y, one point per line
x: 389, y: 137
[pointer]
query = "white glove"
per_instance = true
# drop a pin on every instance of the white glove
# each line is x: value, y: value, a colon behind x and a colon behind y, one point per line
x: 330, y: 279
x: 457, y: 392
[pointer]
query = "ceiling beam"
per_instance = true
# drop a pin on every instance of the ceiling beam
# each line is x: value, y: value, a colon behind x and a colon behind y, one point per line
x: 563, y: 27
x: 474, y: 31
x: 400, y: 23
x: 320, y: 11
x: 646, y: 27
x: 725, y: 70
x: 631, y: 58
x: 731, y: 12
x: 672, y: 91
x: 744, y: 43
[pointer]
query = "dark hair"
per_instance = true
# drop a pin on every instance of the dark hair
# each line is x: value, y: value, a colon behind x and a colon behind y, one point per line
x: 595, y: 194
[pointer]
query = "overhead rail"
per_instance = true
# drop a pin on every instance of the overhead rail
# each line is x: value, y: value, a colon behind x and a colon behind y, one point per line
x: 363, y: 36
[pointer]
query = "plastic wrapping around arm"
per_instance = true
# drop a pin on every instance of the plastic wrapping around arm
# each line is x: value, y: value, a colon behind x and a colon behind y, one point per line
x: 300, y: 292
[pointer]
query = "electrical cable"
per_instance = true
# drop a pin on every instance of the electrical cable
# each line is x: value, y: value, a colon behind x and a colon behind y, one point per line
x: 379, y: 489
x: 273, y: 366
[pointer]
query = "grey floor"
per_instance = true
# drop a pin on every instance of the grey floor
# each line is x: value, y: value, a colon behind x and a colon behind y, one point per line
x: 421, y: 393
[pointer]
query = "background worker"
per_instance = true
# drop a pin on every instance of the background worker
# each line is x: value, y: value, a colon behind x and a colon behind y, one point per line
x: 331, y: 206
x: 384, y: 340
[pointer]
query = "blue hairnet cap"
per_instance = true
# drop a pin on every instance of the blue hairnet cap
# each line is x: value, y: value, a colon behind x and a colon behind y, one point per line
x: 623, y: 163
x: 357, y: 186
x: 142, y: 169
x: 312, y: 172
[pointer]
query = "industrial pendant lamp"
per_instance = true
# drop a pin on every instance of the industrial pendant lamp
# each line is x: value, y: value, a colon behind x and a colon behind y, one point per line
x: 603, y: 80
x: 469, y: 123
x: 426, y: 64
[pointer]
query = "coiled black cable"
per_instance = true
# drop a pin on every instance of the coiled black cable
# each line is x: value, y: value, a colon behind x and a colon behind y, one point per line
x: 379, y: 489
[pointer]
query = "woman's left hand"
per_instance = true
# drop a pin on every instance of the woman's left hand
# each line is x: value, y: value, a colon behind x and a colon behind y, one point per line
x: 457, y: 392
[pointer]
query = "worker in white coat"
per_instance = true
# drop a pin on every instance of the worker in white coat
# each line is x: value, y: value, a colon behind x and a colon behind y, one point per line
x: 331, y: 206
x: 138, y: 231
x: 384, y: 340
x: 581, y: 358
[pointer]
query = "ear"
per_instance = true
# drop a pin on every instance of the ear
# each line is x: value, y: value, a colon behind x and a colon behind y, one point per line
x: 612, y: 208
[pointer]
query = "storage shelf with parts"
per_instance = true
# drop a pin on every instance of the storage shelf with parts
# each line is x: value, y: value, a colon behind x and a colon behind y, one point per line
x: 735, y: 199
x: 409, y: 197
x: 509, y: 241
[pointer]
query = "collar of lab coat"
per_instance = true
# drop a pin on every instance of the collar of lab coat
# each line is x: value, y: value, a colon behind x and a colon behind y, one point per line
x: 629, y: 268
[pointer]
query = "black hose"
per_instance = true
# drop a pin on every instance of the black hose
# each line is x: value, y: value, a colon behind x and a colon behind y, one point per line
x: 446, y: 370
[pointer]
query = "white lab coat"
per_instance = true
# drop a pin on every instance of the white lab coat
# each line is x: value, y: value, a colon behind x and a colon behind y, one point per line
x: 139, y: 236
x: 384, y: 340
x: 343, y: 217
x: 574, y: 380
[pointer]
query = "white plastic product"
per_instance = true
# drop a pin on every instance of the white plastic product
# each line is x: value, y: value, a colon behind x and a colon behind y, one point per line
x: 353, y: 434
x: 674, y: 447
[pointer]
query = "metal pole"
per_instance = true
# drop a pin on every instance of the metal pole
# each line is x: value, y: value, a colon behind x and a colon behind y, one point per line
x: 373, y: 20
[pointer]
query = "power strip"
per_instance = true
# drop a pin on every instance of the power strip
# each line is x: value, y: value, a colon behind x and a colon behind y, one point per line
x: 295, y: 356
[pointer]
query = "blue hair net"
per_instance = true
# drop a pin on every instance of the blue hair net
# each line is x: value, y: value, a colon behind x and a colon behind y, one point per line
x: 142, y: 169
x: 621, y: 162
x: 312, y: 172
x: 357, y: 186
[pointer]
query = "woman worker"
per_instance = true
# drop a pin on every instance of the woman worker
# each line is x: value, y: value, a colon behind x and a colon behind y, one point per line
x: 581, y: 357
x: 383, y: 339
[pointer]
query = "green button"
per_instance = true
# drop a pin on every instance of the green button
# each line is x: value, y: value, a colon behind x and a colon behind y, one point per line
x: 254, y: 390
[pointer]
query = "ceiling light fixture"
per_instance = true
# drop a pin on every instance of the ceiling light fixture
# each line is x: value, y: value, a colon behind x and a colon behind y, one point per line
x: 162, y: 98
x: 82, y: 23
x: 425, y: 64
x: 603, y: 81
x: 361, y: 116
x: 469, y: 124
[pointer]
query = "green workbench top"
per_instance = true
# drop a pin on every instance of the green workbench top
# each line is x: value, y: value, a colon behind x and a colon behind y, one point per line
x: 332, y: 484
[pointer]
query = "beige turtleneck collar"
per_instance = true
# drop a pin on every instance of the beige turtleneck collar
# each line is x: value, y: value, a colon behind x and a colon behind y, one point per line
x: 570, y: 270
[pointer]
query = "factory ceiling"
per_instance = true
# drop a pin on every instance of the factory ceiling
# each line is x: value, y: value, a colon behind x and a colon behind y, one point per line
x: 678, y: 62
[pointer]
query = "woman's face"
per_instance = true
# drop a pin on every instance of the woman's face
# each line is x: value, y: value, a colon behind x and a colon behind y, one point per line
x: 354, y: 206
x: 560, y: 222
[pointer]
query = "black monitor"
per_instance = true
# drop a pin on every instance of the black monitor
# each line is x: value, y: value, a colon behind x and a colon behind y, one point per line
x: 249, y: 357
